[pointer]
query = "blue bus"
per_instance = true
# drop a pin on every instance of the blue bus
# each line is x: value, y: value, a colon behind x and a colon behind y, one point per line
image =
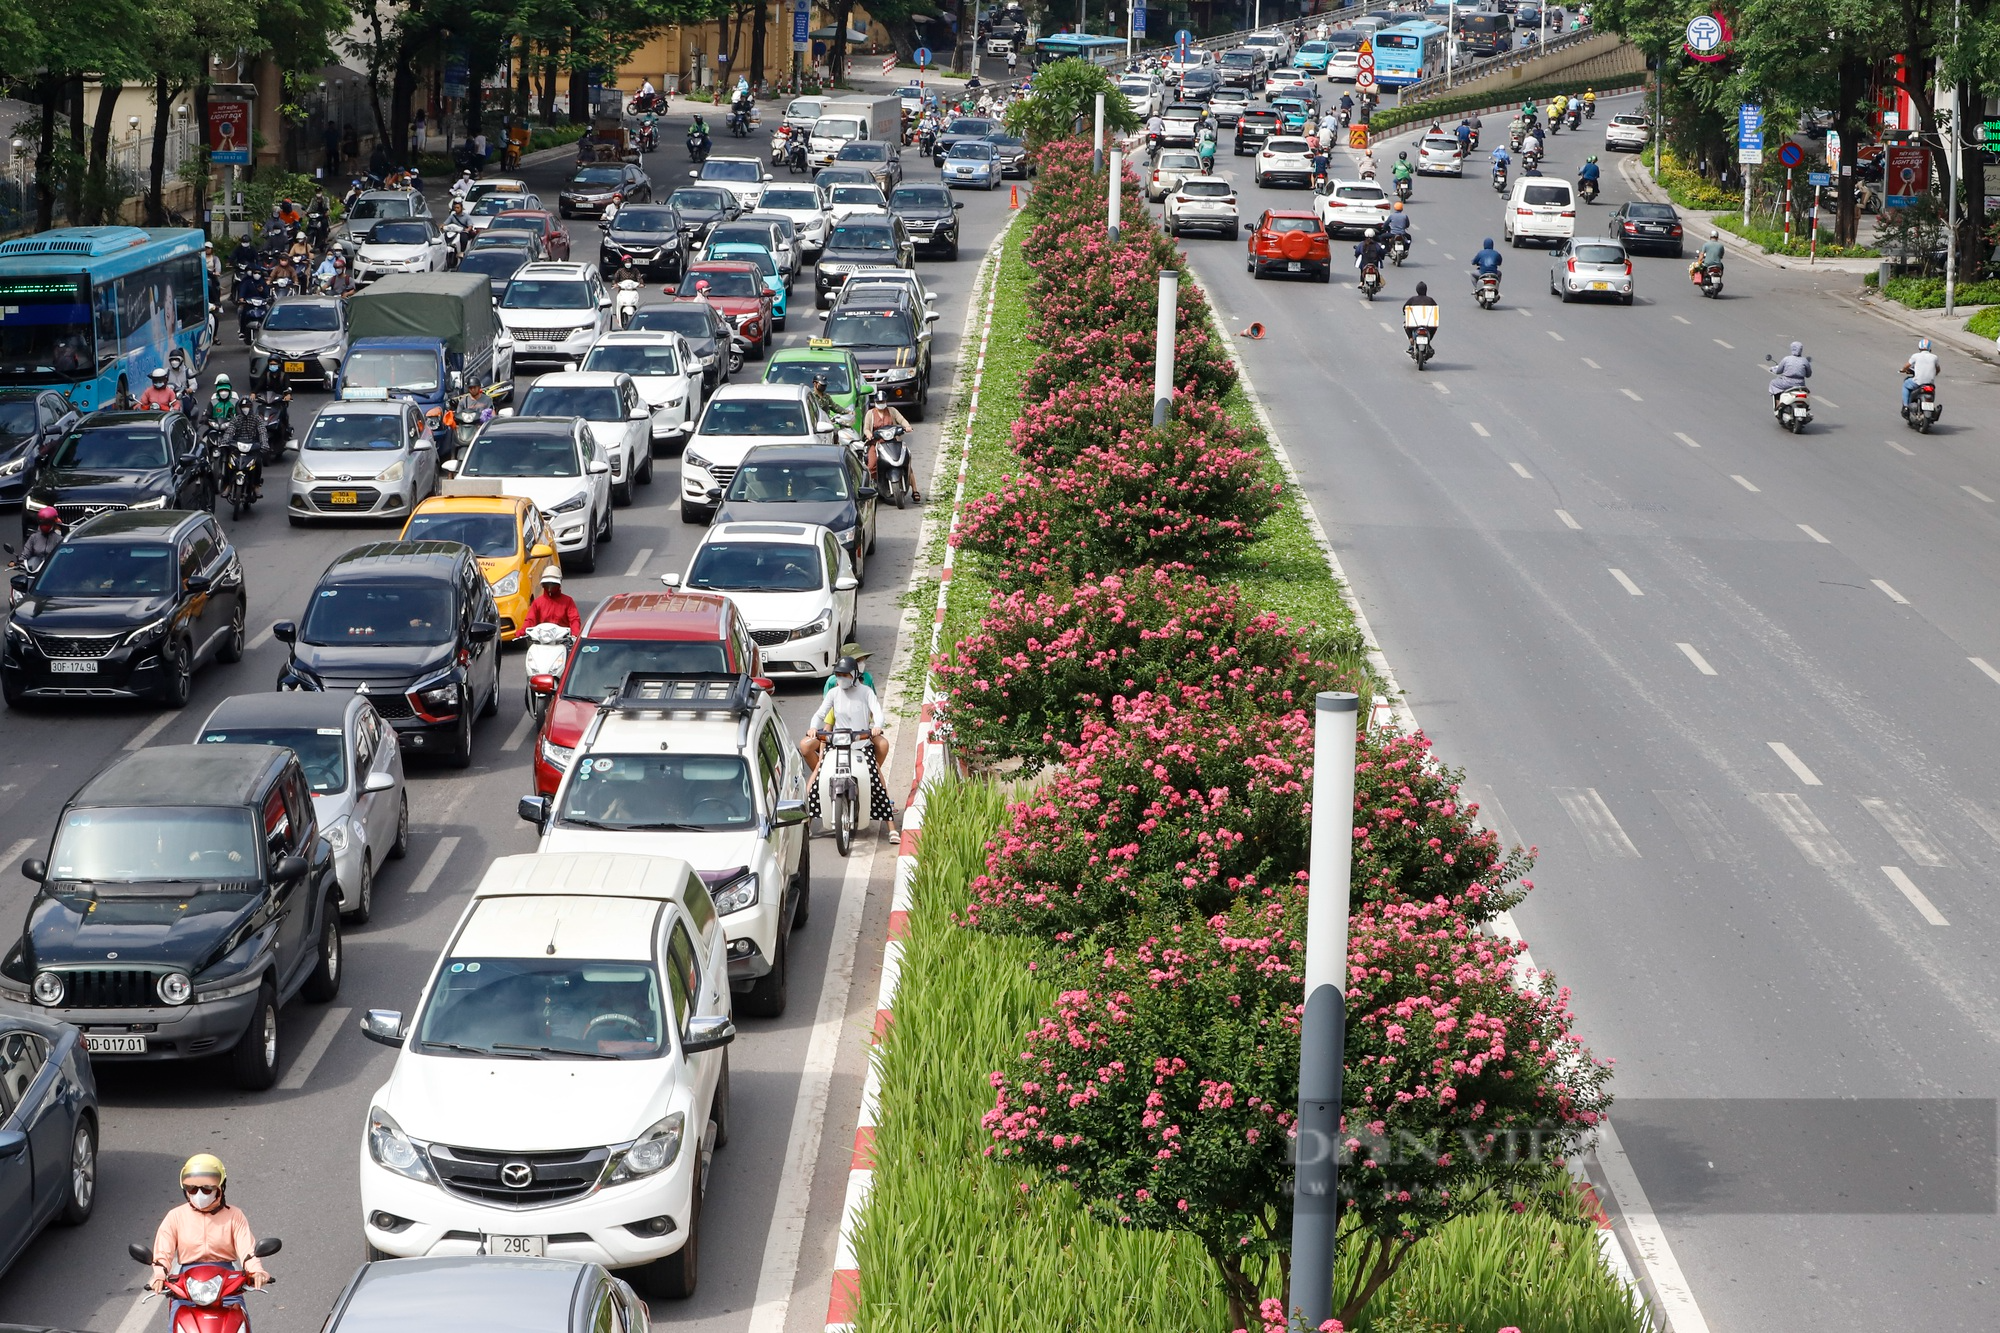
x: 81, y: 306
x: 1409, y: 53
x: 1097, y: 50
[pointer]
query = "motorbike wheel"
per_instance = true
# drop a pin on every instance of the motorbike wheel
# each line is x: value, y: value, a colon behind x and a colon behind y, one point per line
x: 899, y: 490
x: 844, y: 817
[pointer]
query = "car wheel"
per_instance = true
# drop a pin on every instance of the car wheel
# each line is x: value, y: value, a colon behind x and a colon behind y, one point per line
x: 766, y: 996
x: 1629, y: 297
x: 610, y: 524
x: 674, y: 1277
x: 622, y: 492
x: 586, y: 562
x: 492, y: 708
x: 324, y: 983
x: 253, y: 1063
x: 922, y: 405
x: 232, y: 645
x: 802, y: 884
x: 82, y: 1175
x: 645, y: 475
x: 718, y: 1108
x: 1564, y: 294
x: 461, y: 753
x: 295, y: 520
x: 16, y: 697
x: 178, y: 664
x: 951, y: 253
x: 364, y: 898
x: 400, y: 848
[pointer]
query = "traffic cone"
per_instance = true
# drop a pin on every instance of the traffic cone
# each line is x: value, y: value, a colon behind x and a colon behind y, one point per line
x: 1013, y: 196
x: 1254, y: 332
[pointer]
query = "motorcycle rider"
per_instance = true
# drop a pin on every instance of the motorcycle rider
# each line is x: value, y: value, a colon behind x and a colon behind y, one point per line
x: 553, y: 606
x: 1421, y: 299
x: 1589, y: 101
x: 1589, y: 171
x: 1368, y: 251
x: 1464, y: 136
x: 1921, y: 370
x: 207, y: 1229
x: 250, y: 287
x: 179, y: 378
x: 232, y: 420
x: 159, y: 396
x: 1790, y: 373
x: 1710, y: 256
x: 42, y: 542
x: 274, y: 390
x: 1400, y: 170
x: 883, y: 414
x: 1485, y: 262
x: 1501, y: 157
x: 850, y: 706
x: 1399, y: 221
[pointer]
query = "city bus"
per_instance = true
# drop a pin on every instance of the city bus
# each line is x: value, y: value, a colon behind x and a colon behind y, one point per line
x: 1097, y: 50
x: 1409, y: 53
x: 81, y: 306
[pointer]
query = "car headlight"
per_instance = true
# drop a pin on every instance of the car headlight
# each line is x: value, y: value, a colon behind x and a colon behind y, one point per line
x: 17, y: 634
x: 574, y: 503
x: 49, y: 989
x: 617, y: 463
x: 674, y: 402
x: 557, y: 756
x: 846, y: 536
x: 394, y: 472
x: 157, y: 502
x: 392, y: 1149
x: 148, y: 633
x: 508, y: 586
x: 13, y: 466
x: 302, y: 473
x: 439, y: 696
x: 739, y: 894
x: 818, y: 626
x: 899, y: 375
x: 657, y: 1148
x: 693, y: 459
x: 175, y: 988
x: 336, y: 835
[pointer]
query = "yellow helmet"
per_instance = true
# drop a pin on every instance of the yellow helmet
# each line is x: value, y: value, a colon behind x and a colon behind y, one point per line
x: 204, y: 1164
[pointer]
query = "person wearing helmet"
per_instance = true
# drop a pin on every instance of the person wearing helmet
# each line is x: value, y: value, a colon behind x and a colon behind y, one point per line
x: 159, y: 395
x: 1710, y: 256
x: 1485, y: 262
x: 1419, y: 312
x: 553, y: 606
x: 1588, y: 172
x: 206, y: 1228
x: 850, y: 706
x: 1399, y: 220
x: 1921, y: 370
x: 883, y: 414
x: 42, y: 542
x: 860, y: 656
x: 1368, y: 252
x: 1401, y: 170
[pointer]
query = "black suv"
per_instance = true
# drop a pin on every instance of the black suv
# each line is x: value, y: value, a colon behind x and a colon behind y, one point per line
x: 1244, y: 67
x: 931, y: 215
x: 646, y: 238
x: 704, y: 326
x: 861, y: 240
x: 123, y: 460
x: 963, y: 127
x: 31, y: 421
x: 128, y: 607
x: 187, y: 896
x: 804, y: 483
x: 891, y: 341
x: 412, y: 626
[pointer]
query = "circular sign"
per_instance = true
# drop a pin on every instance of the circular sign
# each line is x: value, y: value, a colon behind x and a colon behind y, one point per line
x: 1704, y: 34
x: 922, y: 55
x: 1365, y: 63
x: 1183, y: 37
x: 1791, y: 155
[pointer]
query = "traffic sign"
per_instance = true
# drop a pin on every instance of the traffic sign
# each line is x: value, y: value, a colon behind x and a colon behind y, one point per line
x: 1819, y: 178
x: 1704, y: 34
x: 1364, y: 68
x: 1183, y: 37
x: 1750, y: 134
x: 801, y: 25
x: 1138, y: 20
x: 1791, y: 155
x: 922, y: 55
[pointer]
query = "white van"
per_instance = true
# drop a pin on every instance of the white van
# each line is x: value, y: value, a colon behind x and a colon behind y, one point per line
x: 1541, y: 208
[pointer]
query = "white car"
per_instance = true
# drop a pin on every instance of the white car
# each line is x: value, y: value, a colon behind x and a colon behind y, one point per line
x: 1628, y: 132
x: 1142, y: 93
x: 736, y: 420
x: 664, y: 371
x: 1348, y: 208
x: 1180, y: 63
x: 406, y: 245
x: 479, y: 189
x: 479, y: 214
x: 1170, y: 168
x: 1273, y: 44
x: 794, y: 584
x: 1539, y: 208
x: 1344, y: 65
x: 555, y: 312
x: 805, y: 205
x: 1227, y: 105
x: 562, y: 1083
x: 1438, y: 155
x: 1594, y: 266
x: 701, y: 769
x: 1286, y: 82
x: 554, y: 461
x: 609, y: 403
x: 849, y: 198
x: 1203, y: 203
x: 1285, y: 159
x: 744, y: 177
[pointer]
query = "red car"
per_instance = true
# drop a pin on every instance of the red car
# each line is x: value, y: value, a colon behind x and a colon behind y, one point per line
x: 681, y: 631
x: 555, y: 236
x: 1290, y: 241
x: 736, y: 289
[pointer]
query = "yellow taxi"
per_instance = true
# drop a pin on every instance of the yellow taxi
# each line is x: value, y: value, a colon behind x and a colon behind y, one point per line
x: 506, y: 532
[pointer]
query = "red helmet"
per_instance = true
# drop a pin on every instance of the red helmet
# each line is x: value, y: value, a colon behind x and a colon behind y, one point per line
x: 47, y: 516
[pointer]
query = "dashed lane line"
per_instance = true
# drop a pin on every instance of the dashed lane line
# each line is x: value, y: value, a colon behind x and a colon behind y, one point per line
x: 1744, y: 482
x: 1521, y: 472
x: 1569, y: 522
x: 440, y: 857
x: 1796, y: 764
x: 1909, y: 890
x: 1625, y: 582
x: 1693, y: 655
x: 1812, y: 532
x: 1893, y: 595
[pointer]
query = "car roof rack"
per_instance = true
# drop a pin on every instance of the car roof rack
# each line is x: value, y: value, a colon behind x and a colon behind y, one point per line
x: 666, y: 693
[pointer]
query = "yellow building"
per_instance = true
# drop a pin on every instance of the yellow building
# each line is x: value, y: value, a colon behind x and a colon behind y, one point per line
x: 700, y: 55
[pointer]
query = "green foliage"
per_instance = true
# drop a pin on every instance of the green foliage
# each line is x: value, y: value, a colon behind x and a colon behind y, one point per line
x: 1773, y: 238
x: 1064, y: 91
x: 1986, y: 323
x: 270, y: 186
x: 1928, y: 293
x: 1688, y: 187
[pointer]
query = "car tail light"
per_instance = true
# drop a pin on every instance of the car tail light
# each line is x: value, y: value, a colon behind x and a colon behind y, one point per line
x: 1524, y: 212
x: 1675, y: 232
x: 1570, y: 264
x: 1569, y: 212
x: 1628, y: 268
x: 1631, y: 226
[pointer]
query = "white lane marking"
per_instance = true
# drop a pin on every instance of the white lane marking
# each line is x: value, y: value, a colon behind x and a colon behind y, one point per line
x: 261, y: 637
x: 1693, y: 655
x: 1494, y: 816
x: 1981, y: 496
x: 1557, y: 336
x: 1522, y: 472
x: 522, y: 729
x: 1569, y: 522
x: 1679, y: 320
x: 1447, y: 256
x: 1793, y: 762
x: 1982, y: 817
x: 150, y: 730
x: 1670, y: 1285
x: 1481, y: 431
x: 1383, y: 322
x: 639, y: 561
x: 1743, y: 481
x: 1601, y: 831
x: 1788, y: 810
x: 1720, y: 343
x: 330, y: 1025
x: 1527, y: 314
x: 1706, y: 835
x: 1812, y: 532
x: 1440, y: 386
x: 1908, y: 453
x: 140, y: 1315
x: 439, y: 857
x: 1980, y: 662
x: 1897, y: 821
x: 1592, y: 364
x: 1625, y: 582
x: 1432, y: 240
x: 15, y: 851
x: 779, y: 1272
x: 1916, y: 895
x: 1828, y: 402
x: 1894, y: 596
x: 1685, y: 439
x: 1633, y: 396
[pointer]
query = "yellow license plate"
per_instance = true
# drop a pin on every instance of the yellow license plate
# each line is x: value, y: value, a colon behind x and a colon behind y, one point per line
x: 1600, y: 286
x: 346, y: 498
x: 295, y: 367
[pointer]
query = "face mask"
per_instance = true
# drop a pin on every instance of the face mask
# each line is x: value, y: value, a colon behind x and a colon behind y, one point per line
x: 848, y: 682
x: 202, y: 1200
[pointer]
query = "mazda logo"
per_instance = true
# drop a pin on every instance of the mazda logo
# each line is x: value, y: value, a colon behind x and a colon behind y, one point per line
x: 517, y: 1175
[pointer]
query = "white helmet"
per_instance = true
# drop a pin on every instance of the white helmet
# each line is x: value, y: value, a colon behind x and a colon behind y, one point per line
x: 1368, y: 235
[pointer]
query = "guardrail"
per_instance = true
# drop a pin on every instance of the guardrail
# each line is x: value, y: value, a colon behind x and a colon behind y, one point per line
x: 1475, y: 69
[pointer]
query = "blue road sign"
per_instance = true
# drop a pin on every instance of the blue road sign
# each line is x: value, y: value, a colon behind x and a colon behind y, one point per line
x: 1750, y: 128
x: 801, y: 25
x: 1138, y: 20
x: 1818, y: 178
x: 922, y: 55
x: 1183, y: 37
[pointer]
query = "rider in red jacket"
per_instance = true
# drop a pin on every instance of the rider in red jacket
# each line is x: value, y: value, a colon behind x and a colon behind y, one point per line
x: 553, y: 606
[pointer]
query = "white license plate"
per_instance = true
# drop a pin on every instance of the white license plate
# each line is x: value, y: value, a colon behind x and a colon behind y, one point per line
x: 64, y: 666
x: 1292, y: 267
x: 528, y: 1247
x: 107, y: 1045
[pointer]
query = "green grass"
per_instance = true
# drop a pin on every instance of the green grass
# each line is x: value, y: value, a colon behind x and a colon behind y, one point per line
x: 1986, y: 323
x: 1773, y: 239
x: 1928, y: 293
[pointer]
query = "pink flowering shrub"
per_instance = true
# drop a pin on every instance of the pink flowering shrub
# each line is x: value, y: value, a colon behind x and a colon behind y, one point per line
x: 1088, y: 412
x: 1096, y: 284
x: 1416, y: 841
x: 1022, y: 683
x: 1099, y: 353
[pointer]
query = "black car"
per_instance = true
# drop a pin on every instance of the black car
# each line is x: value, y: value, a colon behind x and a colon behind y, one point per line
x: 1198, y: 86
x: 498, y: 263
x: 701, y: 207
x: 861, y: 240
x: 48, y: 1127
x: 594, y: 186
x: 964, y: 127
x: 1013, y: 151
x: 1648, y: 228
x: 891, y: 342
x: 122, y: 460
x: 1244, y: 67
x: 31, y: 421
x: 882, y: 161
x: 804, y: 483
x: 129, y: 606
x: 649, y: 239
x: 931, y: 216
x: 1253, y: 127
x: 704, y: 326
x: 188, y: 895
x: 413, y: 626
x: 828, y: 177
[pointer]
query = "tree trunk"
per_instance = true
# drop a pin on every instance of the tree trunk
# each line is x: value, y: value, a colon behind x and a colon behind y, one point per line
x: 758, y: 28
x: 551, y: 85
x: 156, y: 199
x: 1852, y: 82
x: 99, y: 177
x: 965, y: 54
x: 45, y: 155
x: 579, y: 87
x: 836, y: 61
x: 402, y: 87
x: 73, y: 182
x: 522, y: 72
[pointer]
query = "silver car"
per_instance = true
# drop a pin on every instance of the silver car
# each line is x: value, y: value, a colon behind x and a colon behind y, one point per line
x: 307, y: 337
x: 354, y: 766
x: 372, y: 458
x: 1591, y: 267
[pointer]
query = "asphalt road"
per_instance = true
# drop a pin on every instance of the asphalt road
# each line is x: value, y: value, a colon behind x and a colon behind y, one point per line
x: 1742, y: 689
x: 292, y: 1152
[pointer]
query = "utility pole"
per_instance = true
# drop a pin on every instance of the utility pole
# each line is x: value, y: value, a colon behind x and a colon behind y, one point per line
x: 1116, y: 200
x: 1163, y: 351
x: 1954, y: 159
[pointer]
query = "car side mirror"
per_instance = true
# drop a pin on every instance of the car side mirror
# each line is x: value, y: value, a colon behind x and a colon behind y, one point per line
x: 457, y: 380
x: 957, y: 205
x: 708, y: 1032
x: 932, y: 317
x: 451, y: 466
x: 671, y: 580
x: 381, y: 1025
x: 482, y: 631
x: 786, y: 813
x: 290, y: 868
x: 846, y: 583
x: 715, y: 493
x: 506, y: 412
x: 35, y: 869
x: 543, y: 552
x: 196, y: 583
x: 868, y: 492
x: 597, y: 467
x: 694, y: 175
x: 641, y: 412
x: 268, y: 1246
x: 533, y: 810
x: 823, y: 315
x: 379, y: 780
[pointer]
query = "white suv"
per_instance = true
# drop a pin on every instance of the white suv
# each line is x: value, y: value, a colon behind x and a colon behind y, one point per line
x: 738, y: 419
x: 1203, y: 203
x: 1628, y: 132
x: 563, y: 1083
x: 1348, y: 208
x: 609, y: 404
x: 666, y: 373
x: 699, y: 768
x: 554, y: 312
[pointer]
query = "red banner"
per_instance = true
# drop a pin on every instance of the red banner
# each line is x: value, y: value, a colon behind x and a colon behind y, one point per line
x: 1907, y: 176
x: 229, y: 131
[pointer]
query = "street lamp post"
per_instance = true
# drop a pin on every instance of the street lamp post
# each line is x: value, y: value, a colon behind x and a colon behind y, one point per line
x: 1163, y: 345
x: 1116, y: 196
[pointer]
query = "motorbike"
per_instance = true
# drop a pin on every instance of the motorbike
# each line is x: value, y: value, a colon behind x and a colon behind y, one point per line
x: 795, y: 155
x: 892, y: 464
x: 739, y: 121
x: 1590, y: 110
x: 740, y: 349
x: 241, y: 473
x: 207, y: 1298
x: 274, y: 416
x: 697, y: 146
x: 1399, y: 247
x: 1404, y: 186
x: 843, y: 767
x: 627, y: 304
x: 1531, y: 162
x: 1474, y: 142
x: 1923, y: 410
x: 1420, y: 346
x: 1588, y: 189
x: 549, y: 647
x: 649, y: 136
x: 454, y: 239
x: 1499, y: 178
x: 250, y: 316
x: 29, y: 566
x: 1514, y: 138
x: 646, y: 104
x: 1574, y: 116
x: 1486, y: 290
x: 1371, y: 280
x: 1708, y: 277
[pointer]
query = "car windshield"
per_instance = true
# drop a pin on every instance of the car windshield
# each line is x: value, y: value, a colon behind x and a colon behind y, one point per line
x: 862, y: 151
x: 114, y: 448
x: 1299, y: 146
x: 921, y: 196
x: 17, y: 416
x: 1441, y: 145
x: 972, y: 148
x: 647, y: 221
x: 1184, y: 113
x: 638, y: 360
x: 322, y: 751
x: 543, y: 1008
x: 520, y: 242
x: 154, y: 844
x: 493, y: 261
x: 108, y: 569
x: 598, y: 176
x: 1282, y: 225
x: 805, y: 372
x: 1628, y: 120
x: 752, y: 416
x: 690, y: 321
x: 861, y: 238
x: 858, y: 194
x: 1359, y: 192
x: 496, y: 203
x: 522, y: 222
x: 522, y: 454
x: 1207, y: 189
x: 745, y: 252
x: 546, y: 294
x: 731, y: 566
x: 701, y: 201
x: 601, y: 665
x: 1546, y: 196
x: 789, y: 483
x: 1599, y: 254
x: 347, y: 614
x: 593, y: 402
x: 400, y: 233
x: 660, y: 791
x: 868, y: 328
x: 723, y: 170
x: 794, y: 196
x: 303, y: 317
x: 738, y: 233
x: 720, y: 282
x: 415, y: 371
x: 364, y: 207
x: 491, y: 536
x: 1239, y: 59
x: 1664, y: 212
x: 973, y: 127
x: 345, y: 429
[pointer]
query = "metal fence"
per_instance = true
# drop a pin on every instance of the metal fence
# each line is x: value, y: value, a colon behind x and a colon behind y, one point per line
x: 1467, y: 71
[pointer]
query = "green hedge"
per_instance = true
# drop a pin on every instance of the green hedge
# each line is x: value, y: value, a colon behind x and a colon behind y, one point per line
x: 1986, y: 323
x: 1773, y: 240
x: 1928, y: 293
x: 1457, y: 103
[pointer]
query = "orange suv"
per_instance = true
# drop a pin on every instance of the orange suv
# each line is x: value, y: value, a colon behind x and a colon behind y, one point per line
x: 1289, y: 242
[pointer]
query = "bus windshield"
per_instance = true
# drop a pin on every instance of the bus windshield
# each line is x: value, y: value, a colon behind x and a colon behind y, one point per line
x: 45, y: 329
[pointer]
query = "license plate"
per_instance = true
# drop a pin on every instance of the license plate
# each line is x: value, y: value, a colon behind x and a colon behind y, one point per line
x: 97, y: 1045
x: 528, y: 1247
x: 1292, y: 267
x: 1600, y: 286
x: 71, y: 667
x: 295, y: 367
x: 346, y: 497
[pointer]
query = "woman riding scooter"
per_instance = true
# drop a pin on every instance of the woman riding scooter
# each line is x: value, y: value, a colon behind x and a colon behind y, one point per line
x: 206, y: 1229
